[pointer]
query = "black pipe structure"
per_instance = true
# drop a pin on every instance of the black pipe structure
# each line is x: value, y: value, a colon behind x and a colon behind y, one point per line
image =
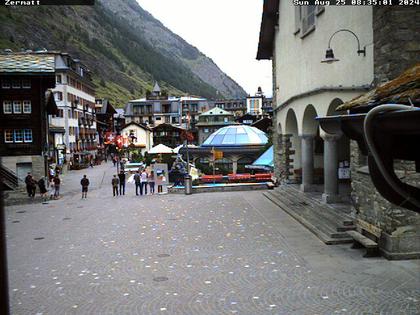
x: 4, y: 288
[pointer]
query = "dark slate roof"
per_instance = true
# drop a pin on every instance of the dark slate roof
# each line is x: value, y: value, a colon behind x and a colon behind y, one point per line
x: 120, y: 113
x: 138, y: 125
x: 107, y: 108
x: 405, y: 89
x: 27, y: 63
x: 268, y: 23
x: 156, y: 88
x: 128, y: 110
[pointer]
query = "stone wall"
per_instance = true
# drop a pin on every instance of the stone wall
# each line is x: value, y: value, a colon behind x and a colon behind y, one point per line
x: 396, y: 39
x: 37, y: 162
x: 400, y: 228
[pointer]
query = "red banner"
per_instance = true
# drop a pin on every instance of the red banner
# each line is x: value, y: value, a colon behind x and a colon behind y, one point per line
x: 109, y: 138
x: 119, y: 141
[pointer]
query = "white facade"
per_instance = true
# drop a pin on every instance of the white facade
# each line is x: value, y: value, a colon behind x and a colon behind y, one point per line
x: 298, y: 59
x: 144, y: 136
x: 305, y: 88
x: 254, y: 105
x: 76, y: 106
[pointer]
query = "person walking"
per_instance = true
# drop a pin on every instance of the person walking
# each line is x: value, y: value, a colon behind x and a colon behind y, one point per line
x: 85, y: 184
x: 52, y: 189
x: 57, y: 182
x: 121, y: 177
x: 137, y: 182
x: 151, y: 179
x: 115, y: 181
x: 28, y: 182
x: 143, y: 180
x: 33, y: 187
x: 43, y: 190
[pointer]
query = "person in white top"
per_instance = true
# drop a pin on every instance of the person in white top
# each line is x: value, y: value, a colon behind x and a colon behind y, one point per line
x: 143, y: 181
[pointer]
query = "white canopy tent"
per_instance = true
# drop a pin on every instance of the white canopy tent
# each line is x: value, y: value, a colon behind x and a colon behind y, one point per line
x: 161, y: 149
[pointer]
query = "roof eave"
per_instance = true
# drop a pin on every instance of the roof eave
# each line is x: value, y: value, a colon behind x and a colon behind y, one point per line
x: 267, y: 31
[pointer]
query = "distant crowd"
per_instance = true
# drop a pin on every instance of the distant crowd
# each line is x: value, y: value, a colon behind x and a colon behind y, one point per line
x: 51, y: 191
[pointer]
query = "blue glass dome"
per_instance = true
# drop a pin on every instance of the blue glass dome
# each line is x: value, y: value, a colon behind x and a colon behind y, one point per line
x: 236, y: 135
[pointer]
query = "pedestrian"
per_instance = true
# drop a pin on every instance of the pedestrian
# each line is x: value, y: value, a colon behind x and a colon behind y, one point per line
x: 137, y: 182
x: 152, y: 183
x: 33, y: 187
x: 57, y: 183
x: 115, y: 181
x: 121, y: 177
x: 85, y: 184
x: 91, y: 161
x: 143, y: 180
x: 114, y: 160
x: 28, y: 182
x: 52, y: 189
x: 43, y: 190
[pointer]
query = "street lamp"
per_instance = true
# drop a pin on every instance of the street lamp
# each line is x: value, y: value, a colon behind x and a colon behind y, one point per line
x: 329, y: 54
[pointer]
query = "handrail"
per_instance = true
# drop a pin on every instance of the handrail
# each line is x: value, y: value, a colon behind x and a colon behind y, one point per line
x: 9, y: 176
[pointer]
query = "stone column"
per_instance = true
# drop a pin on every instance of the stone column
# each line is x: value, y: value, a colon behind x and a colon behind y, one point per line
x: 234, y: 165
x: 330, y: 194
x: 307, y: 163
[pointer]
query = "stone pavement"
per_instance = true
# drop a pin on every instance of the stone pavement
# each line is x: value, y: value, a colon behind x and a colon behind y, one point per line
x: 213, y: 253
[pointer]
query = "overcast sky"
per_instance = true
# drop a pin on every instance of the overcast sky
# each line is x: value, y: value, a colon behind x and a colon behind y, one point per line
x: 225, y: 30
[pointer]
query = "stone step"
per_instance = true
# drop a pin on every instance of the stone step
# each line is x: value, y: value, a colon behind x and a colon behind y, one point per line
x: 324, y: 232
x: 336, y: 217
x: 323, y: 211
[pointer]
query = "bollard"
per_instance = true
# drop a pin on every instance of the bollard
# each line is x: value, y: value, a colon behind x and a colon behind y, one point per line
x: 188, y: 184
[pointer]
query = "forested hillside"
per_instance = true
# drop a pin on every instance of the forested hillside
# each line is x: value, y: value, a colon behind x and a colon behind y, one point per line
x: 123, y: 61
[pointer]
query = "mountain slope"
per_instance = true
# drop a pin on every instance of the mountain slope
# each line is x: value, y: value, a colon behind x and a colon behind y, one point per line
x: 125, y: 62
x: 158, y: 36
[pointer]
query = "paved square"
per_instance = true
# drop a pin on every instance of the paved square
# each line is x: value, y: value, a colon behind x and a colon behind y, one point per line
x: 214, y: 253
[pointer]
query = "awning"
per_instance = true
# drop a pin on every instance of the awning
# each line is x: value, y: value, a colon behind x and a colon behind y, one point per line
x: 265, y: 161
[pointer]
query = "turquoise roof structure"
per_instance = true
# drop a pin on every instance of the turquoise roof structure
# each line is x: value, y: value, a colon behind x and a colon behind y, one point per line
x: 236, y: 135
x: 265, y: 161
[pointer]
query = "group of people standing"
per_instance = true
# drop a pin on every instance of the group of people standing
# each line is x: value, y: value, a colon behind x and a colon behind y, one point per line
x: 53, y: 187
x: 141, y: 179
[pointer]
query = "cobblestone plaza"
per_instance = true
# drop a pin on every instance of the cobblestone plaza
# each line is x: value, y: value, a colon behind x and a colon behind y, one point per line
x: 214, y: 253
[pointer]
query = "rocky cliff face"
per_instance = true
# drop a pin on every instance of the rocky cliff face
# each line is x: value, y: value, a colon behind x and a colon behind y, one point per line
x: 158, y: 36
x: 124, y: 46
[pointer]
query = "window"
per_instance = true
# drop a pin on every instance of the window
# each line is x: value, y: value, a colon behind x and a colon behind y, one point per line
x: 5, y: 84
x: 27, y: 134
x: 206, y: 130
x: 298, y: 18
x: 26, y: 84
x: 27, y: 107
x: 18, y: 135
x: 308, y: 18
x: 58, y: 96
x: 8, y: 136
x: 305, y: 17
x: 7, y: 107
x: 58, y: 78
x: 16, y: 84
x: 17, y: 107
x: 158, y: 118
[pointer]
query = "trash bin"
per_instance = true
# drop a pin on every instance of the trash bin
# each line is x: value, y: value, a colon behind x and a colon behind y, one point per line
x: 188, y: 184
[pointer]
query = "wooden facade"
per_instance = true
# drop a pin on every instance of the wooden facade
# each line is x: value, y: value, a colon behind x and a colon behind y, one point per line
x: 24, y: 113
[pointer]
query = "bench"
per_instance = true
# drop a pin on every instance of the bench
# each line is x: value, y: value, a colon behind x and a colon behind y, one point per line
x: 362, y: 241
